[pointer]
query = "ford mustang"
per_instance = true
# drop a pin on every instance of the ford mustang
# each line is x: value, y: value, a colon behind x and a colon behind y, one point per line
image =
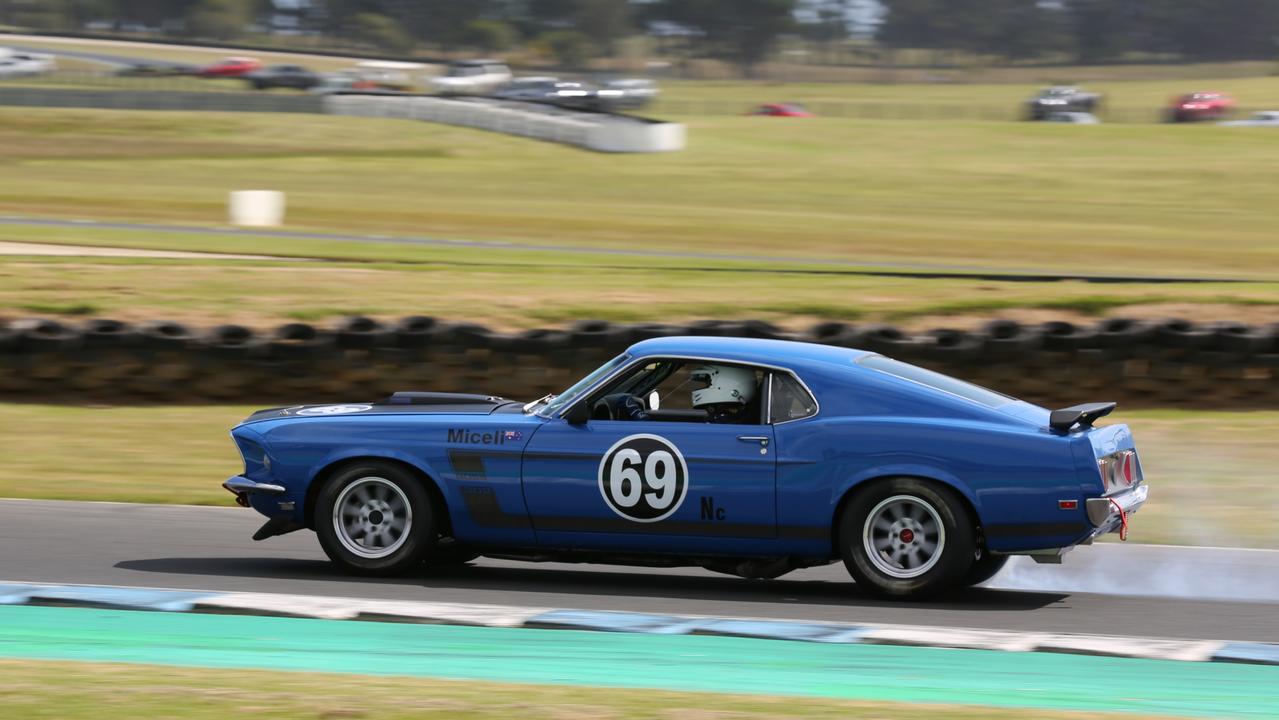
x: 750, y: 457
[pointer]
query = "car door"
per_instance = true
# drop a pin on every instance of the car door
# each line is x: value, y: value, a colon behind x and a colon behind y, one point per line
x: 651, y: 484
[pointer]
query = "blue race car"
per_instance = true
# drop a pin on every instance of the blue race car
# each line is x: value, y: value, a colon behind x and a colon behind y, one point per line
x: 750, y: 457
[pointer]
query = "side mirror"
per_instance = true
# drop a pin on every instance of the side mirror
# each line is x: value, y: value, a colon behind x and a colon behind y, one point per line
x: 654, y: 401
x: 578, y: 414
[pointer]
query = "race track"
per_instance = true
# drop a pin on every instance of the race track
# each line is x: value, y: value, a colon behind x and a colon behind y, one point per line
x: 210, y: 549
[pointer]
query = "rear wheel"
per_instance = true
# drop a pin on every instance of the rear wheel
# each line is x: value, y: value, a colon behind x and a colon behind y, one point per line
x: 906, y: 538
x: 375, y: 518
x: 985, y: 568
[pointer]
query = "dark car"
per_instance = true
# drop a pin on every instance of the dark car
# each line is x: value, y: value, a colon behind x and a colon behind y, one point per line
x: 551, y: 91
x: 285, y: 76
x: 1059, y: 99
x: 158, y: 68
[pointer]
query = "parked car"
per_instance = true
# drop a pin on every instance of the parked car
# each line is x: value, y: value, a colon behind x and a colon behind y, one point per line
x: 782, y: 110
x: 1265, y: 118
x: 15, y: 64
x: 472, y: 77
x: 1074, y: 118
x: 1061, y: 98
x: 156, y: 68
x: 230, y: 67
x: 550, y: 91
x: 626, y: 94
x: 282, y: 76
x: 1198, y: 106
x: 365, y: 78
x: 749, y: 457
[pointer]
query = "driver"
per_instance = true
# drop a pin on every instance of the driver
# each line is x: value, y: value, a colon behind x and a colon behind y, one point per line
x: 725, y: 392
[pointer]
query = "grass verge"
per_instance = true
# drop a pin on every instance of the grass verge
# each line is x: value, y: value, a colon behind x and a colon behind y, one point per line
x: 513, y: 290
x: 1211, y: 472
x: 38, y: 690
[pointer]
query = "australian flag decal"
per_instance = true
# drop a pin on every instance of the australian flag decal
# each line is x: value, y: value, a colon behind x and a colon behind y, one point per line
x: 510, y: 435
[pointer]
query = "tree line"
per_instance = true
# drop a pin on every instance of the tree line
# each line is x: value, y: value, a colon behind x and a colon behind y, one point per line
x: 742, y: 31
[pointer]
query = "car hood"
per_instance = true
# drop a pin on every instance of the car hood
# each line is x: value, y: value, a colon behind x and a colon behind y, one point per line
x: 399, y: 403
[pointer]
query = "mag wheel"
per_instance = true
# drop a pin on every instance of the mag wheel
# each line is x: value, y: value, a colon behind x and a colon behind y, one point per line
x: 374, y: 519
x: 906, y: 538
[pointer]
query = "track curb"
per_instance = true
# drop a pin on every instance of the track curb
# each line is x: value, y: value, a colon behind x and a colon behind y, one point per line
x: 508, y: 616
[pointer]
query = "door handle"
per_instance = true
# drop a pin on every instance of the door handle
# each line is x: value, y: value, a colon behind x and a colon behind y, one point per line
x: 761, y: 439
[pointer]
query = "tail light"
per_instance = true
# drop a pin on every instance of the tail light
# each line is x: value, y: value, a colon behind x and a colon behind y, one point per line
x: 1119, y: 471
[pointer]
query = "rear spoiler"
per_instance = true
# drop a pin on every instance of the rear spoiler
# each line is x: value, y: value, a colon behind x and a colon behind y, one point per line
x: 1084, y: 415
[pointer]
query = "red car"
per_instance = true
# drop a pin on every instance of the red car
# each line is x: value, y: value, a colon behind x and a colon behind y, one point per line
x: 230, y: 67
x: 1201, y: 106
x: 781, y: 110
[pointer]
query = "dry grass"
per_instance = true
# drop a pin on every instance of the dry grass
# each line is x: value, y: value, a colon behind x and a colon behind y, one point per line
x: 507, y: 295
x: 1155, y: 199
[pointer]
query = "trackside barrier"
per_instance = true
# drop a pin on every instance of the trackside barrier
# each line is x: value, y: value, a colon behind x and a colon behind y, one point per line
x: 594, y: 131
x: 335, y: 608
x: 1140, y: 364
x: 601, y: 132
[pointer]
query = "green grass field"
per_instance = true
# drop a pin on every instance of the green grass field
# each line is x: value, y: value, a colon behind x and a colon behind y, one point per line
x: 1146, y: 200
x: 39, y: 690
x: 1211, y: 472
x: 1152, y: 199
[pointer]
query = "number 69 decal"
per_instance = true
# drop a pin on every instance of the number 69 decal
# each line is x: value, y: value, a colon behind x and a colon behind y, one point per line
x: 643, y: 478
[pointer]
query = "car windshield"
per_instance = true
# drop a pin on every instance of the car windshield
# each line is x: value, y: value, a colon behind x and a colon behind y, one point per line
x: 558, y: 401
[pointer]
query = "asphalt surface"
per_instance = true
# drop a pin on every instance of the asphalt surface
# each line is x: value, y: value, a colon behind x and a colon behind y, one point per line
x: 817, y: 265
x: 210, y: 549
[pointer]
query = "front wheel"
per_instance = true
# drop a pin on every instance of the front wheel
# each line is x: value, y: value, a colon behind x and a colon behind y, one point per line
x: 375, y: 518
x: 906, y: 538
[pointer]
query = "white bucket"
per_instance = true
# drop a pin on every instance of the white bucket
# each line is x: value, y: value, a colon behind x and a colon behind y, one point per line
x: 256, y: 208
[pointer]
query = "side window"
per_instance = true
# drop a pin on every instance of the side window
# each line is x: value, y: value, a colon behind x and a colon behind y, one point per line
x: 790, y: 401
x: 679, y: 390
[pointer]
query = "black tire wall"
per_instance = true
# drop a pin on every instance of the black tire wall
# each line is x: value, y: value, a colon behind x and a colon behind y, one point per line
x: 1171, y: 363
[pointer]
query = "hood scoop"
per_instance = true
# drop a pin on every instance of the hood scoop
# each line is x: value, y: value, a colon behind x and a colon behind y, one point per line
x: 439, y: 398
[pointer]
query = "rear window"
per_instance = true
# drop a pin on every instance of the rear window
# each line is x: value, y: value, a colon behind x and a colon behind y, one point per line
x: 935, y: 380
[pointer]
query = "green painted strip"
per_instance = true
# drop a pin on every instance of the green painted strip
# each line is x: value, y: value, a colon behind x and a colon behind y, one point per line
x: 699, y: 663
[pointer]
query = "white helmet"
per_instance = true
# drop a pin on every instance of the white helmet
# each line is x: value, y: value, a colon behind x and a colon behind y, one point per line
x: 724, y: 384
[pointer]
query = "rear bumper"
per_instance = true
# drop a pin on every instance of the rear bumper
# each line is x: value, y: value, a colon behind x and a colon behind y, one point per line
x: 1110, y: 513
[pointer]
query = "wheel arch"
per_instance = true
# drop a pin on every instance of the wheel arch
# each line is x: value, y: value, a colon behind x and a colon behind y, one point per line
x: 422, y: 473
x: 962, y: 491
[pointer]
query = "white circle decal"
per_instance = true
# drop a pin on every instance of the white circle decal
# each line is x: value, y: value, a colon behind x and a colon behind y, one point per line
x: 643, y: 478
x: 334, y: 409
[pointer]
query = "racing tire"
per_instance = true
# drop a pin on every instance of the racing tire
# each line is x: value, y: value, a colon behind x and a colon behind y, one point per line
x: 375, y: 518
x: 985, y: 568
x: 906, y: 538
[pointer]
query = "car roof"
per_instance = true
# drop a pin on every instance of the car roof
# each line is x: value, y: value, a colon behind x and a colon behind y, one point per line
x: 782, y: 353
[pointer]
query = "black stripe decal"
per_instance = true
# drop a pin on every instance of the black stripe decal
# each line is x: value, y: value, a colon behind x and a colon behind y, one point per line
x: 467, y: 465
x: 481, y: 504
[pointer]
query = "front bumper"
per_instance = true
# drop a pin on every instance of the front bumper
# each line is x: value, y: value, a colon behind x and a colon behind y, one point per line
x: 1110, y: 513
x: 242, y: 487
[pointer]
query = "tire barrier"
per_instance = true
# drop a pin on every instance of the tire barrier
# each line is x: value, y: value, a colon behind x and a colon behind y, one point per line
x: 1170, y: 363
